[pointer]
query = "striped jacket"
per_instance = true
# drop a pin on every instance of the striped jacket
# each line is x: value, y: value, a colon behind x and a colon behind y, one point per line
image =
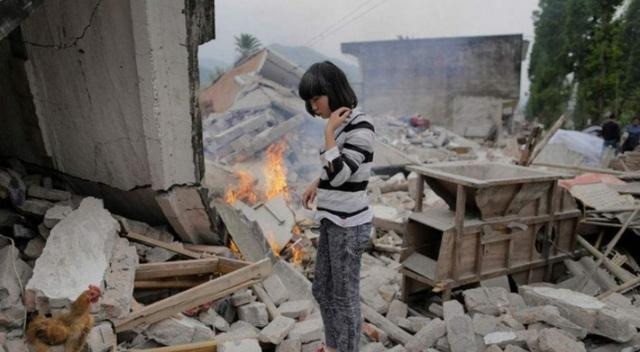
x: 342, y: 190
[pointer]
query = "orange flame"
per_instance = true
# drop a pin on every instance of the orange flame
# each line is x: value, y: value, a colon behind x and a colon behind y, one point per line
x: 243, y: 191
x: 235, y: 250
x: 275, y: 172
x: 272, y: 243
x: 298, y: 255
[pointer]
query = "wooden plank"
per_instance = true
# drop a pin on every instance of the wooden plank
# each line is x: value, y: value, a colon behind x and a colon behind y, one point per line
x: 547, y: 137
x: 421, y: 264
x: 157, y: 284
x: 227, y: 265
x: 620, y: 273
x: 581, y: 168
x: 152, y: 271
x: 205, y: 346
x: 461, y: 201
x: 547, y: 247
x: 419, y: 193
x: 168, y: 246
x: 207, y: 292
x: 621, y: 288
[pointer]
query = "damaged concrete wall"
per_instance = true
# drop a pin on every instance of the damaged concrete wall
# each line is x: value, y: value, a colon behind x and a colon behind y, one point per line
x: 427, y: 74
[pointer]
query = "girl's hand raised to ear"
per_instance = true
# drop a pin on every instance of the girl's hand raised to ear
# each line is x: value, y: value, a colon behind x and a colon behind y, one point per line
x: 337, y: 118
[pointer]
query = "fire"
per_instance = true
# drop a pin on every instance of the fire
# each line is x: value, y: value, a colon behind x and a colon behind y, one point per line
x: 235, y: 250
x: 275, y: 172
x: 272, y: 243
x: 244, y: 190
x: 297, y: 251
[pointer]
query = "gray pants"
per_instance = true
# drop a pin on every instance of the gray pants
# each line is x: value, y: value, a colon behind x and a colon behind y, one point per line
x: 336, y: 283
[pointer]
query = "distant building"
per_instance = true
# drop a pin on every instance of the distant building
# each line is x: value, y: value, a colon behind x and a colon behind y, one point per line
x: 451, y: 81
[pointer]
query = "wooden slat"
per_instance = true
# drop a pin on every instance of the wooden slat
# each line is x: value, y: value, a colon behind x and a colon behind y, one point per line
x: 168, y: 246
x: 422, y: 265
x: 157, y: 284
x: 227, y: 265
x: 419, y: 194
x: 207, y: 292
x: 205, y: 346
x: 152, y: 271
x: 461, y: 201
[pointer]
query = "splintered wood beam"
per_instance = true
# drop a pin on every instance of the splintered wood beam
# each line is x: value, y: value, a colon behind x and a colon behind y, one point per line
x: 205, y: 346
x: 157, y: 243
x: 207, y: 292
x: 178, y: 268
x: 158, y: 284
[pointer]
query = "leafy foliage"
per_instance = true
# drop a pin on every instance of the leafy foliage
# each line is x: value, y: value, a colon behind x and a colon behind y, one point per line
x: 246, y: 45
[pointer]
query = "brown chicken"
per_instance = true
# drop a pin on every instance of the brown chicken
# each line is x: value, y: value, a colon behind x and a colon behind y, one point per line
x: 70, y: 329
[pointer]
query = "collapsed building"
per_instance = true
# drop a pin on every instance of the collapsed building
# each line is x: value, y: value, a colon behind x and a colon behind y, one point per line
x: 451, y: 81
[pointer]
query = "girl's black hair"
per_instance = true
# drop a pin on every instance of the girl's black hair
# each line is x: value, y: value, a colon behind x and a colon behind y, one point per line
x: 325, y: 78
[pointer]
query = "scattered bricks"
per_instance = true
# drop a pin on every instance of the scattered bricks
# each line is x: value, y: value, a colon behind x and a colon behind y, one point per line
x: 34, y: 248
x: 48, y: 194
x: 549, y: 315
x: 55, y: 214
x: 442, y: 344
x: 277, y: 330
x: 397, y: 310
x: 275, y: 289
x: 436, y: 309
x: 296, y: 309
x: 552, y: 340
x: 513, y: 348
x: 516, y: 302
x: 44, y: 231
x: 307, y: 331
x: 373, y: 347
x: 486, y: 300
x: 242, y: 297
x: 12, y: 311
x: 505, y: 338
x: 417, y: 323
x: 254, y: 313
x: 289, y: 345
x: 427, y: 336
x: 460, y: 332
x: 241, y: 330
x: 494, y: 348
x: 397, y: 348
x: 119, y: 281
x: 452, y: 309
x: 174, y: 331
x: 22, y: 232
x: 311, y: 346
x: 510, y: 322
x: 102, y: 338
x: 213, y: 319
x: 246, y: 345
x: 484, y: 324
x: 405, y: 324
x: 374, y: 333
x: 35, y: 207
x: 387, y: 292
x: 585, y: 311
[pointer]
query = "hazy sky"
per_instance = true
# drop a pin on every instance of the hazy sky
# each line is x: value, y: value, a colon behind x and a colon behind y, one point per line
x: 297, y: 22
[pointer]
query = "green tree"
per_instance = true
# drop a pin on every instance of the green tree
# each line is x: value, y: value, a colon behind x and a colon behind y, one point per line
x: 246, y: 45
x: 630, y: 81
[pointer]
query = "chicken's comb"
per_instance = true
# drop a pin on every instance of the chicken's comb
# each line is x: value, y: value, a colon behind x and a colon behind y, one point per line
x: 94, y: 288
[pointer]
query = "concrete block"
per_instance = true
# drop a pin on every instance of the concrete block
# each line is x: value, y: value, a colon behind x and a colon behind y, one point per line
x: 514, y: 348
x: 246, y: 345
x: 211, y: 318
x: 12, y: 311
x: 486, y: 300
x: 436, y: 309
x: 275, y: 289
x: 119, y: 281
x: 85, y: 238
x: 48, y: 193
x: 516, y: 302
x: 374, y: 334
x: 405, y: 324
x: 188, y: 214
x: 242, y: 297
x: 505, y: 338
x: 484, y: 324
x: 508, y: 321
x: 388, y: 292
x: 289, y: 345
x: 44, y: 231
x: 552, y: 340
x: 254, y: 313
x: 399, y: 348
x: 307, y: 331
x: 102, y: 338
x: 427, y: 336
x: 239, y: 330
x: 296, y: 309
x: 397, y: 310
x: 177, y: 331
x: 311, y: 346
x: 442, y: 344
x: 277, y: 330
x: 494, y: 348
x: 460, y: 333
x: 417, y: 323
x: 55, y: 214
x: 298, y: 285
x: 585, y: 311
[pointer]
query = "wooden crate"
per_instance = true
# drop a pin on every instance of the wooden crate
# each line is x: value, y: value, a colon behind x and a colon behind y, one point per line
x: 501, y: 221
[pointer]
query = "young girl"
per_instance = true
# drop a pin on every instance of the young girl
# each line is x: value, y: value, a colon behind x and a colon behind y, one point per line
x: 342, y: 203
